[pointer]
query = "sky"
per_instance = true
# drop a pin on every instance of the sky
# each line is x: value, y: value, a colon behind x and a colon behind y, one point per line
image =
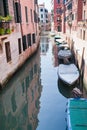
x: 47, y: 4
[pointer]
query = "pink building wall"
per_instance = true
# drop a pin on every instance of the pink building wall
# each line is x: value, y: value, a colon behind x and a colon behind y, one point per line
x: 57, y: 15
x: 8, y: 67
x: 29, y: 26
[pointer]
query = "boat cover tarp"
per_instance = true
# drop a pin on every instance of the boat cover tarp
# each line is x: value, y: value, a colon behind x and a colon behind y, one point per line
x: 77, y: 114
x: 68, y: 73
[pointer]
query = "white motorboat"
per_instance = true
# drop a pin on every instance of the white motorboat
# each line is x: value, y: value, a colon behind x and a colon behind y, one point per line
x: 64, y: 54
x: 60, y: 41
x: 63, y: 47
x: 56, y: 37
x: 68, y: 73
x: 52, y: 33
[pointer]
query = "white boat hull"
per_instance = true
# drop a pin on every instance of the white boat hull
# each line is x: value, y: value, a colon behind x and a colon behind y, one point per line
x: 64, y: 54
x: 68, y: 73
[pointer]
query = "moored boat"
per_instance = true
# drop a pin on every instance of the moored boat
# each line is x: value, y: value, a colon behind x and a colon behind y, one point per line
x: 66, y: 53
x: 56, y: 37
x: 52, y: 33
x: 77, y: 114
x: 69, y: 73
x: 60, y: 41
x: 63, y: 46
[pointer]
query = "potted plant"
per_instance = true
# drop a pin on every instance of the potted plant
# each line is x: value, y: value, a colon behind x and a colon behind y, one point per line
x: 8, y: 31
x: 2, y: 31
x: 2, y: 18
x: 8, y: 18
x: 5, y: 19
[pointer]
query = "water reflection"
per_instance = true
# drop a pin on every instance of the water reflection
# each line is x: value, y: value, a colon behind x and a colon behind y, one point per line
x: 44, y: 46
x: 52, y: 107
x: 19, y: 102
x: 55, y: 54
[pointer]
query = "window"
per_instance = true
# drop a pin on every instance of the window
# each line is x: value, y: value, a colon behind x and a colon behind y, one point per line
x: 81, y: 33
x: 4, y: 8
x: 46, y: 16
x: 59, y: 29
x: 84, y: 14
x: 84, y: 35
x: 72, y: 16
x: 46, y: 10
x: 31, y: 15
x: 41, y: 10
x: 59, y: 11
x: 41, y: 15
x: 33, y: 37
x: 35, y: 17
x: 84, y: 1
x: 24, y: 42
x: 46, y: 21
x: 19, y: 45
x: 26, y: 14
x: 17, y: 12
x: 29, y: 39
x: 41, y: 21
x: 8, y: 51
x: 35, y: 1
x: 58, y: 1
x: 69, y: 7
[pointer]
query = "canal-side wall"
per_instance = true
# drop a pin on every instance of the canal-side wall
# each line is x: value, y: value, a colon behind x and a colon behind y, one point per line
x: 79, y: 48
x: 8, y: 69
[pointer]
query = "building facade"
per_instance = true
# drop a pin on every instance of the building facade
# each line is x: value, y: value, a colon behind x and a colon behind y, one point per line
x: 82, y: 24
x: 19, y: 34
x: 44, y: 18
x: 73, y: 14
x: 58, y: 5
x: 73, y: 26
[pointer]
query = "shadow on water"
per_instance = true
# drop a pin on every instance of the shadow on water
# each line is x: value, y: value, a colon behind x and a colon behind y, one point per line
x: 19, y: 102
x: 64, y: 89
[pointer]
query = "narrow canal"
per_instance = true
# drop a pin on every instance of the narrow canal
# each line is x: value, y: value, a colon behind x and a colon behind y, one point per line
x: 33, y: 98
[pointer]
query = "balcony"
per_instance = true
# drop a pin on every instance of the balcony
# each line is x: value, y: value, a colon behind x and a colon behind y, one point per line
x: 4, y: 30
x: 82, y: 23
x: 4, y: 26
